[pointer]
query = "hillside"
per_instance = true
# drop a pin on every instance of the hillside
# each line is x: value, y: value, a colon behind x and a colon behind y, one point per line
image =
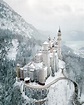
x: 17, y: 30
x: 74, y: 67
x: 10, y: 20
x: 17, y: 42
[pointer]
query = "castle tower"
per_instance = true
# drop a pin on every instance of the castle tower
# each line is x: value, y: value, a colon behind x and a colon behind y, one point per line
x: 18, y: 71
x: 46, y: 59
x: 49, y: 41
x: 59, y: 44
x: 56, y: 46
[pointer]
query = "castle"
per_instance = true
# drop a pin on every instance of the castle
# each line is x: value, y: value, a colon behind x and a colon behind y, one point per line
x: 46, y: 68
x: 44, y: 64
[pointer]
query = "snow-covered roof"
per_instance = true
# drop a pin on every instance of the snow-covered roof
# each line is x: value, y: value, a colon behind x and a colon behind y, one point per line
x: 25, y: 67
x: 18, y: 64
x: 46, y: 43
x: 45, y: 68
x: 51, y: 55
x: 61, y: 64
x: 21, y: 69
x: 38, y: 54
x: 26, y: 79
x: 38, y: 65
x: 32, y: 66
x: 31, y: 70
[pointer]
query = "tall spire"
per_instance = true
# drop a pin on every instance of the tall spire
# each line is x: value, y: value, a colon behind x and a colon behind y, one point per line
x: 59, y: 43
x: 49, y: 38
x: 59, y: 29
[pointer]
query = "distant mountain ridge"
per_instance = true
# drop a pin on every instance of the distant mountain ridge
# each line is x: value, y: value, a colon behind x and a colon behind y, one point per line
x: 82, y: 48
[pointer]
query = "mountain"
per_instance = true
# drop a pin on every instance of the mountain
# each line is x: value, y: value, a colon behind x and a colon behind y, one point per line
x: 10, y: 20
x: 18, y: 43
x: 82, y: 48
x: 15, y: 29
x: 74, y: 35
x: 74, y: 67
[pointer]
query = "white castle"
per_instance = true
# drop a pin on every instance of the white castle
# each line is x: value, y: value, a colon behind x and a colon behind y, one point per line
x: 44, y: 64
x: 43, y: 72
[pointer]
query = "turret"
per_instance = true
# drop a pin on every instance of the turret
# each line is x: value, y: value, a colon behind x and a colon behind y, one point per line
x: 21, y: 74
x: 45, y: 53
x: 31, y: 72
x: 46, y: 60
x: 18, y: 71
x: 42, y: 75
x: 59, y: 44
x: 49, y: 41
x: 56, y: 46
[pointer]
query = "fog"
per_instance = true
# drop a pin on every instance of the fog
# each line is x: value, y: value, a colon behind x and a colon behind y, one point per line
x: 48, y: 15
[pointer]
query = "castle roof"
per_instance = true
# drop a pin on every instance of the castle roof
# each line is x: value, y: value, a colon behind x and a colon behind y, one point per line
x: 18, y: 64
x: 59, y: 30
x: 32, y: 66
x: 26, y: 79
x: 46, y: 43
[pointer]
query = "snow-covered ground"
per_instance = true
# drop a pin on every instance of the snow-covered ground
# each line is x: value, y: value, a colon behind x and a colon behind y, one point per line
x: 82, y: 98
x: 13, y: 50
x: 60, y: 93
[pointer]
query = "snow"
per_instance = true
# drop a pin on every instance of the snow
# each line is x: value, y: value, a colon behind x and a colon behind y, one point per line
x: 21, y: 84
x: 32, y: 66
x: 26, y: 79
x: 51, y: 79
x: 39, y: 54
x: 51, y: 55
x: 76, y: 45
x: 15, y: 23
x: 61, y: 64
x: 18, y: 83
x: 60, y: 93
x: 48, y: 82
x: 13, y: 50
x: 46, y: 43
x: 18, y: 65
x: 38, y: 65
x: 82, y: 98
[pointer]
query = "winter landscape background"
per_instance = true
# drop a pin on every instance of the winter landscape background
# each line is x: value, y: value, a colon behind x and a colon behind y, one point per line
x: 19, y: 41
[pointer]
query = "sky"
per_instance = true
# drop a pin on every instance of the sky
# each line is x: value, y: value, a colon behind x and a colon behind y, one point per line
x: 48, y: 15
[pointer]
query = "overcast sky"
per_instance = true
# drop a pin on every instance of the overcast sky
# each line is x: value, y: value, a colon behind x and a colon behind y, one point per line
x: 50, y: 14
